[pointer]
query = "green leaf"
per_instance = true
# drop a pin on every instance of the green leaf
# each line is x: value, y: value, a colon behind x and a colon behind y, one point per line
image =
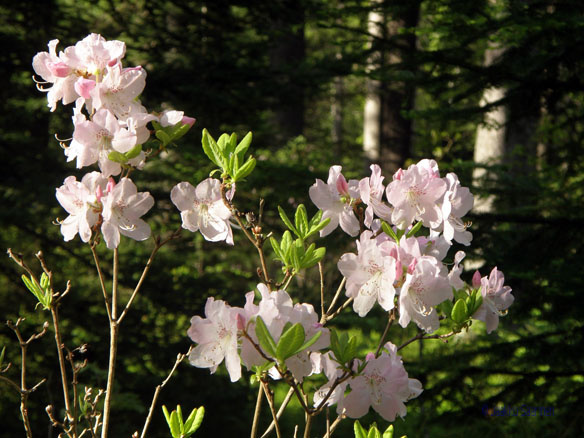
x: 134, y: 152
x: 387, y: 229
x: 277, y: 250
x: 231, y: 144
x: 315, y: 256
x: 290, y: 341
x: 44, y: 281
x: 211, y: 149
x: 163, y: 137
x: 194, y: 421
x: 181, y: 423
x: 286, y: 243
x: 117, y: 157
x: 373, y: 432
x: 316, y: 228
x: 242, y: 147
x: 245, y: 170
x: 179, y: 130
x: 414, y: 229
x: 287, y: 221
x: 2, y: 356
x: 264, y: 337
x: 174, y: 425
x: 308, y: 343
x: 388, y: 432
x: 301, y: 221
x: 459, y: 311
x: 360, y: 432
x: 223, y: 144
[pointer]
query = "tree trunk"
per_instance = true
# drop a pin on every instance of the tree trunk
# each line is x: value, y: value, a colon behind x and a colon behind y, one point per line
x: 387, y: 131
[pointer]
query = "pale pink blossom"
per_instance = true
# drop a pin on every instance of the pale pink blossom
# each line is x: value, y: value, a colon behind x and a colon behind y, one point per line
x: 456, y: 203
x: 335, y: 206
x: 217, y: 337
x: 123, y: 206
x: 93, y: 141
x: 425, y: 287
x: 118, y: 92
x: 80, y: 199
x: 383, y: 385
x: 414, y: 195
x: 454, y: 274
x: 93, y: 54
x: 276, y: 310
x: 496, y: 299
x: 54, y: 70
x: 370, y: 274
x: 202, y: 209
x: 371, y: 191
x: 326, y: 364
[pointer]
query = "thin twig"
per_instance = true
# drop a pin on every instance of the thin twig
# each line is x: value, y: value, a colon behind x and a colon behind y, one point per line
x: 340, y: 309
x: 320, y: 273
x: 101, y: 281
x: 280, y: 411
x: 179, y: 358
x: 421, y: 336
x: 256, y: 415
x: 158, y: 244
x: 334, y: 425
x: 335, y: 298
x: 390, y: 319
x: 270, y: 398
x: 114, y: 331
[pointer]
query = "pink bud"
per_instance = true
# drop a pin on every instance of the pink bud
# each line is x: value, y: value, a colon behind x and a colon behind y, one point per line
x: 398, y: 175
x: 110, y: 185
x: 84, y: 86
x: 59, y: 69
x: 370, y: 356
x: 398, y: 270
x: 476, y: 279
x: 412, y: 266
x: 98, y: 193
x: 240, y: 320
x: 342, y: 185
x: 188, y: 121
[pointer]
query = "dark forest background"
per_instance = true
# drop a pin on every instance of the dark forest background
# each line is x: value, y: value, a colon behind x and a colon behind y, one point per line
x: 493, y: 90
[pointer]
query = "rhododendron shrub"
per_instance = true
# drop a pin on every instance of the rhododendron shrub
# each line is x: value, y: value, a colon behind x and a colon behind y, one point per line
x: 402, y: 233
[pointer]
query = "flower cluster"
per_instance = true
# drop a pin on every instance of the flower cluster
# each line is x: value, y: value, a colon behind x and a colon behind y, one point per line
x: 110, y: 127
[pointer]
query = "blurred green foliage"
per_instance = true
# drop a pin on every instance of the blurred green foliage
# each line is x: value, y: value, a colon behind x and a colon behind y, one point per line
x: 213, y: 60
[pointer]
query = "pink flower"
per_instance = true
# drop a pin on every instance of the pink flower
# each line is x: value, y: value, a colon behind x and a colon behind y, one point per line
x: 217, y: 338
x: 80, y: 199
x: 335, y: 205
x: 371, y: 191
x: 496, y: 299
x: 122, y: 208
x: 325, y: 363
x: 94, y: 139
x: 276, y: 310
x: 384, y: 385
x: 415, y: 194
x: 457, y: 202
x: 370, y: 274
x: 424, y: 288
x: 119, y: 91
x: 54, y: 70
x: 93, y: 54
x: 202, y: 208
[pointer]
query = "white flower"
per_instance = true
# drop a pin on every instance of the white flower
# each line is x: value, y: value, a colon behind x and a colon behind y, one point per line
x: 122, y: 208
x: 202, y: 208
